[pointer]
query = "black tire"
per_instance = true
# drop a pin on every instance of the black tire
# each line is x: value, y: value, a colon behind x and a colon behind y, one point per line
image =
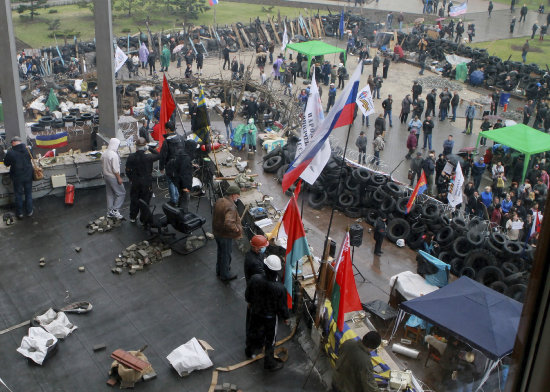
x: 352, y: 184
x: 461, y: 246
x: 401, y: 205
x: 362, y: 175
x: 419, y: 227
x: 475, y: 238
x: 479, y: 258
x: 398, y: 228
x: 498, y: 239
x: 509, y: 269
x: 493, y: 248
x: 445, y: 236
x: 378, y: 179
x: 499, y: 286
x: 516, y: 291
x: 379, y: 196
x: 514, y: 278
x: 281, y: 172
x: 513, y: 248
x: 445, y: 257
x: 430, y: 211
x: 456, y: 265
x: 489, y: 274
x: 346, y: 200
x: 273, y: 164
x: 393, y: 189
x: 276, y: 151
x: 388, y: 205
x: 473, y: 223
x: 468, y: 271
x: 317, y: 200
x: 371, y: 215
x: 353, y: 212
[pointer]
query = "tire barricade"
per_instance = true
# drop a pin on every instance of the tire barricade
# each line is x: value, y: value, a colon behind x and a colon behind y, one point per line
x: 464, y: 242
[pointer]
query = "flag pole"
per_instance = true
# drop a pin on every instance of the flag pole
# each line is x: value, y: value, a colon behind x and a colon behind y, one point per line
x: 321, y: 287
x: 177, y: 109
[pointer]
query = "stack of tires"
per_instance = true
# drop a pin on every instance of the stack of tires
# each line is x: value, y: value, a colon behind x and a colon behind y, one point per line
x: 469, y: 247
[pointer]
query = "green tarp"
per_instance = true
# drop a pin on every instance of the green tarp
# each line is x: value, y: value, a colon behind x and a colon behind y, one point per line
x: 313, y: 49
x: 522, y: 138
x: 461, y: 72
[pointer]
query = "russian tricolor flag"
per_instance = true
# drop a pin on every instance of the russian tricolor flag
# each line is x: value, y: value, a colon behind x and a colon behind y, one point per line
x: 340, y: 115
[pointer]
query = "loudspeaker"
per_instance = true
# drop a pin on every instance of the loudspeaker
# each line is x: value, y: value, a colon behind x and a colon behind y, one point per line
x: 332, y: 248
x: 356, y: 235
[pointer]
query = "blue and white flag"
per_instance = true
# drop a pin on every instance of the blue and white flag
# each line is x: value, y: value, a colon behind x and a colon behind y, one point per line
x: 459, y: 9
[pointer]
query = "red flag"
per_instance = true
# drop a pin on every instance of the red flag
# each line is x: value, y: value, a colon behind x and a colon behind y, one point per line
x: 345, y: 297
x: 167, y: 106
x: 420, y: 187
x: 297, y: 189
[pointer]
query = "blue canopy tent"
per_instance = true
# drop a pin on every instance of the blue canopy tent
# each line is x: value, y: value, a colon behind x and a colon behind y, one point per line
x: 473, y: 313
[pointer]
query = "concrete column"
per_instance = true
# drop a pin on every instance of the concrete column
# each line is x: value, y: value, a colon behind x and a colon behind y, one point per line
x: 9, y: 76
x: 108, y: 118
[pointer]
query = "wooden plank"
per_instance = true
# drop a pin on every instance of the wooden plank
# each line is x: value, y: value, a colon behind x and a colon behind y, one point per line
x: 238, y: 37
x: 245, y: 36
x: 322, y: 26
x: 275, y: 31
x: 266, y: 33
x: 291, y: 28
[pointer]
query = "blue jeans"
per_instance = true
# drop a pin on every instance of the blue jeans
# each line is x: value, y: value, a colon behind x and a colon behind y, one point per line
x: 428, y: 138
x: 454, y: 112
x: 21, y: 188
x: 376, y: 157
x: 228, y: 131
x: 443, y: 113
x: 388, y: 113
x: 223, y: 263
x: 400, y: 25
x: 173, y: 191
x: 524, y: 57
x: 376, y: 92
x: 365, y: 119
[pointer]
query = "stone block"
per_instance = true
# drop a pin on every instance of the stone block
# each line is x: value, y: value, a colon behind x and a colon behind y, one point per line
x: 81, y: 269
x: 131, y: 247
x: 166, y: 253
x: 78, y: 249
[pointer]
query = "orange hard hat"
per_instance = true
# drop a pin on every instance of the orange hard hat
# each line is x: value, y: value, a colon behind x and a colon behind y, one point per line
x: 259, y: 241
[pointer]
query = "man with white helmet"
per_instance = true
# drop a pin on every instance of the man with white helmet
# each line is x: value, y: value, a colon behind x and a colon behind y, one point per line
x: 266, y: 297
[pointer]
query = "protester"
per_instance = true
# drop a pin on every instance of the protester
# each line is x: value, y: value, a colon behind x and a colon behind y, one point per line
x: 379, y: 234
x: 113, y: 181
x: 18, y: 159
x: 361, y: 144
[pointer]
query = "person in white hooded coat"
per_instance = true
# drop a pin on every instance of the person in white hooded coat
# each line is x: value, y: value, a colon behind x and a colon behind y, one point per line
x: 113, y: 181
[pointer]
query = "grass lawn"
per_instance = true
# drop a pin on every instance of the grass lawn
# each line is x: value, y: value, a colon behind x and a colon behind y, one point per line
x: 539, y: 52
x: 531, y: 4
x: 81, y: 20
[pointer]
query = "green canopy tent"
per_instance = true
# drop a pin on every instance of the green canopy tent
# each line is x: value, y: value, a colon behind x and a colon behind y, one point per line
x: 522, y: 138
x: 315, y: 48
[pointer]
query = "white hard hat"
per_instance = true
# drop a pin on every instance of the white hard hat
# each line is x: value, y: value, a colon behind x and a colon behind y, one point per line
x: 273, y: 263
x: 400, y: 242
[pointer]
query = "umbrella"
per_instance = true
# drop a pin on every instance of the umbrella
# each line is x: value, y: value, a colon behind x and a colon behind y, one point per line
x: 178, y: 48
x: 419, y: 20
x: 453, y: 159
x: 467, y: 149
x: 440, y: 19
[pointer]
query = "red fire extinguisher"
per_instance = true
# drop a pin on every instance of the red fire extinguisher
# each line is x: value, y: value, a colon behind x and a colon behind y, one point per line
x: 69, y: 195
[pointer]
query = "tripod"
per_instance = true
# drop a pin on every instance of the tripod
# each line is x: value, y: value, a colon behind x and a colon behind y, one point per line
x: 205, y: 174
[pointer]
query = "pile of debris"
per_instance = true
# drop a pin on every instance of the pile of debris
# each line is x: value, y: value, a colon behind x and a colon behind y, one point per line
x: 102, y: 224
x: 430, y: 82
x: 136, y: 256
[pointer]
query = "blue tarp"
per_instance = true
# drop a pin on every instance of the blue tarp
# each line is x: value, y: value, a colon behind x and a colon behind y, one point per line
x: 472, y: 312
x: 441, y: 278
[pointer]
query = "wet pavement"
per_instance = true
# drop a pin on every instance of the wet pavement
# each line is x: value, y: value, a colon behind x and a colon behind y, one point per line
x: 163, y: 306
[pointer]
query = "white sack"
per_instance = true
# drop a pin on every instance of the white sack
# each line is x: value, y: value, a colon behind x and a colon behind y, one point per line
x: 35, y: 345
x: 188, y: 357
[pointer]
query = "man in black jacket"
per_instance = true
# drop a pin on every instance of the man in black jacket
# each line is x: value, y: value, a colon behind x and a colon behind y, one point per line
x: 375, y: 65
x: 226, y: 57
x: 18, y: 159
x: 139, y: 169
x: 418, y: 107
x: 429, y: 169
x: 495, y: 98
x: 455, y: 101
x: 267, y: 299
x: 228, y: 115
x: 387, y: 106
x: 522, y: 13
x: 430, y: 103
x: 444, y: 102
x: 176, y: 156
x: 385, y: 67
x: 252, y: 109
x: 379, y: 234
x: 416, y: 90
x: 427, y: 128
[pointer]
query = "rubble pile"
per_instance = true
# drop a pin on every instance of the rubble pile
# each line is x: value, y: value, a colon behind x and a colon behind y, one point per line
x: 102, y: 224
x: 136, y: 256
x: 431, y: 82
